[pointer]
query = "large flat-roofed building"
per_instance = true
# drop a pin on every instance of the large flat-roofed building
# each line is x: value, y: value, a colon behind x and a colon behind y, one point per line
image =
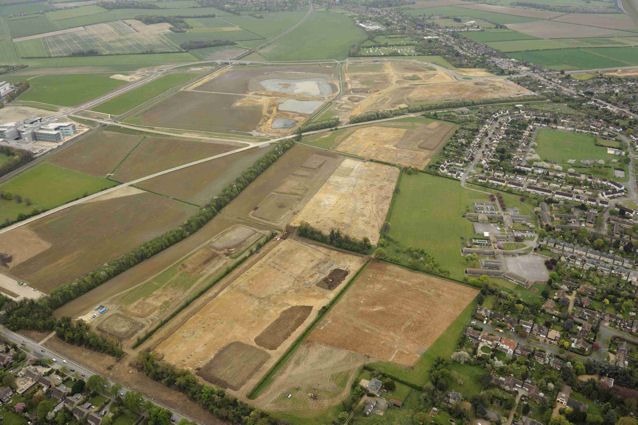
x: 55, y: 132
x: 9, y: 131
x: 5, y: 88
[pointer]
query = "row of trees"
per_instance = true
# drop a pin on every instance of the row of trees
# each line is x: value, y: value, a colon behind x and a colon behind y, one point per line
x: 215, y: 400
x: 319, y: 125
x: 37, y: 314
x: 20, y: 88
x: 127, y: 4
x: 189, y: 45
x: 17, y: 158
x: 335, y: 238
x: 78, y: 333
x: 378, y: 115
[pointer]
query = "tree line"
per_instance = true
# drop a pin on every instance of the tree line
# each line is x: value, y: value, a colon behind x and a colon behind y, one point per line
x: 20, y: 88
x: 335, y: 238
x: 17, y: 158
x: 190, y: 45
x: 215, y: 400
x: 38, y: 314
x: 319, y: 125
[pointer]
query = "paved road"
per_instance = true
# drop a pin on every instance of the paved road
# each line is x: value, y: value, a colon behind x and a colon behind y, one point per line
x: 41, y: 352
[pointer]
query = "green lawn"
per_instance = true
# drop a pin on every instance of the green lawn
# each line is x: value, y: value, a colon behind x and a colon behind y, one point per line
x: 11, y: 418
x: 69, y: 89
x: 324, y: 35
x: 561, y: 146
x: 444, y: 346
x: 465, y: 379
x: 428, y: 213
x: 47, y: 186
x: 136, y: 97
x: 127, y: 418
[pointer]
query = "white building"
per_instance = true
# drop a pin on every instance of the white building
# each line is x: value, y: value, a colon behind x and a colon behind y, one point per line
x: 9, y: 131
x: 5, y: 88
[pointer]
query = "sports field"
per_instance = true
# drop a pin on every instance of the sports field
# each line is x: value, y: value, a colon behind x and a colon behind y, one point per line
x: 69, y: 89
x: 416, y: 309
x: 136, y: 97
x: 46, y: 186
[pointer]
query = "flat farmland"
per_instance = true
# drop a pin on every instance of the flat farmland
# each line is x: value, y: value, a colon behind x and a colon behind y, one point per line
x: 134, y: 311
x: 200, y: 183
x: 393, y: 314
x: 87, y: 235
x: 69, y: 89
x: 496, y: 35
x: 136, y: 97
x: 553, y: 29
x: 618, y: 21
x: 355, y: 200
x: 96, y: 153
x: 408, y: 143
x: 566, y: 59
x: 222, y: 340
x: 153, y: 155
x: 463, y: 12
x: 318, y: 376
x: 204, y: 111
x: 45, y: 186
x: 284, y: 188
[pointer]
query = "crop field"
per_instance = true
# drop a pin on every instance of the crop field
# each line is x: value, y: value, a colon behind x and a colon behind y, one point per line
x: 566, y: 59
x: 96, y: 153
x: 269, y: 100
x: 416, y: 309
x: 282, y: 190
x: 248, y: 311
x: 324, y: 35
x: 617, y: 21
x: 407, y: 83
x: 200, y: 183
x: 29, y: 25
x: 315, y: 369
x: 101, y: 230
x: 553, y: 29
x: 355, y: 200
x: 496, y: 35
x: 516, y: 11
x: 462, y: 12
x: 138, y: 96
x: 46, y: 186
x: 153, y: 155
x: 69, y: 89
x: 143, y: 305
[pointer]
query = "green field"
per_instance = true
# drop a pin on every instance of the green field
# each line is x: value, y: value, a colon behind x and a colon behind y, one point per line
x: 47, y: 186
x: 136, y: 97
x: 522, y: 45
x: 118, y: 63
x: 461, y: 12
x: 565, y: 59
x: 324, y: 35
x: 497, y: 35
x: 29, y: 25
x: 560, y: 146
x: 69, y: 89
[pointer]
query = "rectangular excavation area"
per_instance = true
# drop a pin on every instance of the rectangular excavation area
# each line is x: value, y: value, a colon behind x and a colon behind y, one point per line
x: 269, y: 304
x: 393, y: 314
x: 355, y: 200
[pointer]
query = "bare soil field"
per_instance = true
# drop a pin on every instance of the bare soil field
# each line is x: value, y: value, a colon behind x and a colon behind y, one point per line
x: 87, y: 235
x: 233, y: 365
x: 145, y: 270
x: 600, y: 20
x: 21, y: 113
x: 279, y: 330
x: 153, y: 155
x: 355, y: 200
x: 408, y: 144
x: 284, y: 277
x: 393, y: 314
x: 555, y: 29
x: 402, y: 83
x: 318, y: 376
x: 203, y: 111
x: 282, y: 190
x: 137, y: 309
x: 200, y: 183
x: 250, y: 79
x: 97, y: 153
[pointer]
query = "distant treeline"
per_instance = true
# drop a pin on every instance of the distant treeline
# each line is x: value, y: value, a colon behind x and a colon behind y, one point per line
x: 127, y: 4
x: 38, y: 315
x: 335, y: 238
x: 189, y: 45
